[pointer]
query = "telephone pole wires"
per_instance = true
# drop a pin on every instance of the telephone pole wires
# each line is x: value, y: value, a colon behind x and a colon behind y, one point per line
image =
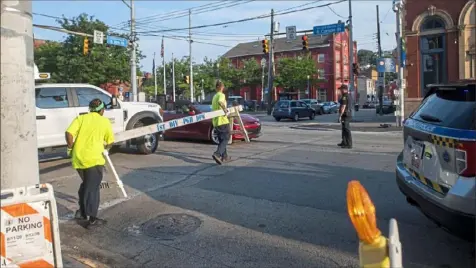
x: 271, y: 64
x: 18, y: 140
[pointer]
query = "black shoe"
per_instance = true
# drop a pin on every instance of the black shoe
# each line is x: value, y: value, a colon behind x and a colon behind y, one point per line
x: 93, y: 222
x: 226, y: 159
x: 217, y: 158
x: 340, y: 144
x: 79, y: 216
x: 346, y: 147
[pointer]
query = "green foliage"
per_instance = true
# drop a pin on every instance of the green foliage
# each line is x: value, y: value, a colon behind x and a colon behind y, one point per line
x: 67, y: 64
x: 367, y: 57
x: 292, y: 73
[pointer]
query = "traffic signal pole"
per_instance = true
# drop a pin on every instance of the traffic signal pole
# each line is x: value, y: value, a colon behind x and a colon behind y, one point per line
x: 270, y: 64
x: 18, y: 141
x: 133, y: 52
x: 352, y: 90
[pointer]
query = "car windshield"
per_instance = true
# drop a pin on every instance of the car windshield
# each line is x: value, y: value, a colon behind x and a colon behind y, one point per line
x: 326, y: 103
x: 450, y: 107
x: 282, y: 104
x: 203, y: 108
x: 307, y: 101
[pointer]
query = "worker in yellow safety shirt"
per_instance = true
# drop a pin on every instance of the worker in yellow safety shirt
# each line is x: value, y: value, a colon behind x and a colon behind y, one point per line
x: 221, y: 125
x: 87, y: 137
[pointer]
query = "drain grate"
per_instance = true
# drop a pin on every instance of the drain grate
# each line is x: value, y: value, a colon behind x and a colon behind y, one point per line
x: 170, y: 226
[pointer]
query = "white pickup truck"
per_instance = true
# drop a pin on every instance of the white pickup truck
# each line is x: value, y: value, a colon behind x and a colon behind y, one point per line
x: 58, y: 104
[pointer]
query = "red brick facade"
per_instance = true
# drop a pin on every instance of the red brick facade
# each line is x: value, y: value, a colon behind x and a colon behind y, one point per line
x: 440, y: 61
x: 333, y: 58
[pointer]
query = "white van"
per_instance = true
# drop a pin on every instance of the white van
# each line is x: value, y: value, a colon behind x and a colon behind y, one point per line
x: 58, y: 104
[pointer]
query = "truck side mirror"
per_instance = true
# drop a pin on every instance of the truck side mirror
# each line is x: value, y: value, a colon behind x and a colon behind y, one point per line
x: 114, y: 103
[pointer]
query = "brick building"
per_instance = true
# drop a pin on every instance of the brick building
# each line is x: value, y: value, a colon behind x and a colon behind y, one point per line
x: 441, y: 44
x: 330, y: 52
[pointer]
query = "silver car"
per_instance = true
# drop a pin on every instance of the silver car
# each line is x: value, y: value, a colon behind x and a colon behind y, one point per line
x: 436, y: 170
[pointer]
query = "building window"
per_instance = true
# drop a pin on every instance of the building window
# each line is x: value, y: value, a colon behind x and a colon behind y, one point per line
x: 321, y: 58
x: 321, y: 74
x: 322, y: 94
x: 346, y: 59
x: 337, y: 71
x: 337, y: 57
x: 433, y: 53
x: 346, y: 72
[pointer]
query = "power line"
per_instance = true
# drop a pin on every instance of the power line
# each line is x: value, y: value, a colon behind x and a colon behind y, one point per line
x: 71, y: 20
x: 243, y: 20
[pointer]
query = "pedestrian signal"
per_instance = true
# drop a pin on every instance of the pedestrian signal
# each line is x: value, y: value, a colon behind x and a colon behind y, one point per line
x: 305, y: 42
x: 265, y: 44
x: 85, y: 46
x: 187, y: 79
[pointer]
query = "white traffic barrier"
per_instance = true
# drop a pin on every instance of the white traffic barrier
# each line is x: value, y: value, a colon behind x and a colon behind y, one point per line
x: 394, y: 245
x: 30, y: 234
x: 151, y: 129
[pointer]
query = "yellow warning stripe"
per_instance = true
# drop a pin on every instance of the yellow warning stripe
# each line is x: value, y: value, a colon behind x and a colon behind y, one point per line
x: 443, y: 141
x: 431, y: 184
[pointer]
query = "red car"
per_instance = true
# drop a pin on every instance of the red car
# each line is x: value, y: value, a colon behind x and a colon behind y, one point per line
x: 204, y: 130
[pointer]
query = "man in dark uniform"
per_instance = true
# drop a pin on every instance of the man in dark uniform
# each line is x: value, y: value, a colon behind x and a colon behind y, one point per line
x: 344, y: 118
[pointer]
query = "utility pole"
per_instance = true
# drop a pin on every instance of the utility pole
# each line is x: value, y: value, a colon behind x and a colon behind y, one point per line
x: 270, y: 64
x: 133, y: 52
x: 352, y: 90
x: 163, y: 64
x: 381, y: 76
x: 398, y: 8
x: 190, y: 50
x: 173, y: 78
x: 18, y: 141
x: 155, y: 78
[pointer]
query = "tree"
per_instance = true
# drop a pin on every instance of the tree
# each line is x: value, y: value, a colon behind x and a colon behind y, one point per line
x: 367, y: 57
x: 67, y: 64
x: 292, y: 73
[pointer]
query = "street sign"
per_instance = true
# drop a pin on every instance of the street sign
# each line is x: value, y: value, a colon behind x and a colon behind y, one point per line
x: 328, y: 29
x: 263, y: 62
x: 116, y: 41
x: 386, y: 65
x: 291, y: 33
x: 98, y: 37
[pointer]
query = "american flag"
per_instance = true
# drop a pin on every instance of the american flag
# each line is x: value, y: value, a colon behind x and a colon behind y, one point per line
x: 153, y: 64
x: 162, y: 49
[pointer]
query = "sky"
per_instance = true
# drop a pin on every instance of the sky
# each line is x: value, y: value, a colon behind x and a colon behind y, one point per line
x: 153, y: 16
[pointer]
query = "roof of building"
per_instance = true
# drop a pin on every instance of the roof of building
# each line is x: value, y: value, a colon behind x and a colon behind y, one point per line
x: 280, y: 45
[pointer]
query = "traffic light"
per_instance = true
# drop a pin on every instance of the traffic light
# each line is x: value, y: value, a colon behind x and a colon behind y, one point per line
x: 187, y: 79
x: 85, y: 46
x: 305, y: 42
x: 355, y: 68
x: 265, y: 44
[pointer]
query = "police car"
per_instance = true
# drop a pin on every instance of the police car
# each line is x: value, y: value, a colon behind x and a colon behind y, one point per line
x: 436, y: 170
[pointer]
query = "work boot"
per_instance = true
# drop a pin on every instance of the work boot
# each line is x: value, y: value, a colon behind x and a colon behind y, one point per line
x: 217, y: 158
x: 94, y: 221
x: 226, y: 159
x: 346, y: 147
x: 80, y: 216
x: 340, y: 144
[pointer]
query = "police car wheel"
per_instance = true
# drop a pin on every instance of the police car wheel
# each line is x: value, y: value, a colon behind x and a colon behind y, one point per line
x: 295, y: 117
x: 146, y: 144
x: 313, y: 115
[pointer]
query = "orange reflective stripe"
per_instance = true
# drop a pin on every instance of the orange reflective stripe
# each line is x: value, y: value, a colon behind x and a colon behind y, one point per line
x: 36, y: 264
x: 47, y: 228
x: 2, y: 245
x: 19, y: 210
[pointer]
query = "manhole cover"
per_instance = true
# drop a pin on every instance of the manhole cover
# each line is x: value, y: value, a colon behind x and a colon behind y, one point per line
x: 170, y: 226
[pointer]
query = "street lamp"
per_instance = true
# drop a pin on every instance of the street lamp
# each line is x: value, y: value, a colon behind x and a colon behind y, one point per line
x: 263, y: 64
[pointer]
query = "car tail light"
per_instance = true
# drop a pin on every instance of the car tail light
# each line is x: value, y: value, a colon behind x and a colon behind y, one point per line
x: 465, y: 157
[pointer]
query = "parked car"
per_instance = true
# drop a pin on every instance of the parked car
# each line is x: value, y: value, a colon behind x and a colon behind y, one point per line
x: 388, y: 107
x: 329, y: 107
x: 204, y: 130
x: 436, y: 170
x: 369, y: 105
x: 315, y: 104
x: 292, y: 109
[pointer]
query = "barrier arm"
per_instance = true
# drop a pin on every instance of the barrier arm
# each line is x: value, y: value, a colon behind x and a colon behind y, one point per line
x: 151, y: 129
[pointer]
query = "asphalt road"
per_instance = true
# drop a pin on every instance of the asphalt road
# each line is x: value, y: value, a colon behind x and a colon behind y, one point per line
x: 279, y: 203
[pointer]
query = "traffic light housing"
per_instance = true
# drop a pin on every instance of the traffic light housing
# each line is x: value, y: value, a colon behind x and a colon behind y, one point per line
x: 265, y: 44
x: 305, y: 42
x: 85, y: 46
x: 187, y: 79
